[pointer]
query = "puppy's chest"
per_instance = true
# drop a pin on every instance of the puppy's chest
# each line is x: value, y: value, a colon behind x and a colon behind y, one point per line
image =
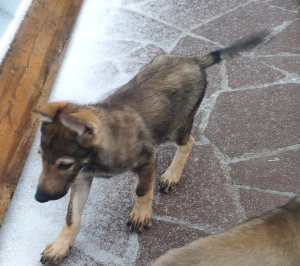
x: 101, y: 169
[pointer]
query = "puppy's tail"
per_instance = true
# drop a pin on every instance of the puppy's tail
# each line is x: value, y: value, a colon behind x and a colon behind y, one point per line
x: 242, y: 45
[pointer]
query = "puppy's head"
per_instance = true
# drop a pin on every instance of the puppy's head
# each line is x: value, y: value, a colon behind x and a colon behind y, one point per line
x: 69, y: 137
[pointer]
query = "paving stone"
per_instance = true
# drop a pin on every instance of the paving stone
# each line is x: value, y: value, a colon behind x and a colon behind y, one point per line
x: 107, y: 210
x: 257, y: 203
x: 147, y: 53
x: 106, y: 73
x: 276, y: 172
x: 130, y: 67
x: 154, y: 243
x: 244, y: 71
x: 250, y: 121
x: 139, y: 27
x: 286, y: 63
x: 113, y: 48
x: 189, y: 45
x: 187, y: 14
x: 201, y: 196
x: 244, y: 21
x: 286, y: 41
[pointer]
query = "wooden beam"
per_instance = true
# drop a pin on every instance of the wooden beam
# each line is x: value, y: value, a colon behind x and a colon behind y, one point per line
x: 27, y: 74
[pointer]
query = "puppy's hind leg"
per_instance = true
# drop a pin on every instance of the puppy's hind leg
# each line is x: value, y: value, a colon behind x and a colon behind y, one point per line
x: 185, y: 143
x: 58, y: 250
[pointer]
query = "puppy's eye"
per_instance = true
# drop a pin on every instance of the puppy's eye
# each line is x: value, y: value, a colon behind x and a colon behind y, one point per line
x: 64, y: 166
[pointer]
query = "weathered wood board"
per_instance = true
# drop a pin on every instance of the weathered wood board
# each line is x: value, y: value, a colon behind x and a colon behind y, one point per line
x: 27, y: 74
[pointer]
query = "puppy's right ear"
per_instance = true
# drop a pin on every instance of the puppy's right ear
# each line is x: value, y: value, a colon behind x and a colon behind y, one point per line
x: 49, y: 111
x: 87, y: 126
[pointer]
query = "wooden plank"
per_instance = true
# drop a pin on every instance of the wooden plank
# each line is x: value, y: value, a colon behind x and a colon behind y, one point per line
x: 27, y: 74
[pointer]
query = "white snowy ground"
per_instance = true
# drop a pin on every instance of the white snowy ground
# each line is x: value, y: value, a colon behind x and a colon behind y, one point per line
x: 29, y: 226
x: 12, y: 13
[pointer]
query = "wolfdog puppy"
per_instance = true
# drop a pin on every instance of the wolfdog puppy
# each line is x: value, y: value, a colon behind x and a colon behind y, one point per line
x: 121, y: 134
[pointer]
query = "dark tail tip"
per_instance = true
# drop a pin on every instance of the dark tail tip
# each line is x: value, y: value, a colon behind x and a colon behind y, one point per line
x: 241, y: 45
x: 244, y: 44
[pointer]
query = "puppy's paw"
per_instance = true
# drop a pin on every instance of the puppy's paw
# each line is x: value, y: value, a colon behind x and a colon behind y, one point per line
x: 168, y: 181
x: 55, y: 253
x: 140, y: 218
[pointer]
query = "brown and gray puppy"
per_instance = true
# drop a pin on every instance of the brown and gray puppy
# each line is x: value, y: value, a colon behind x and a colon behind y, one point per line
x: 121, y: 134
x: 272, y: 239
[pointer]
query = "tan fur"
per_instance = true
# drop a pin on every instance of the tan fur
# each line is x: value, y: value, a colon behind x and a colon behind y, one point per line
x: 88, y: 118
x: 58, y: 250
x: 272, y: 239
x: 50, y: 110
x: 54, y: 253
x: 53, y: 185
x: 141, y: 213
x: 121, y: 134
x: 172, y: 176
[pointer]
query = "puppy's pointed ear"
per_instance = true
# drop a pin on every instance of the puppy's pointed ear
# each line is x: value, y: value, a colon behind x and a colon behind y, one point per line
x: 49, y: 111
x: 85, y: 124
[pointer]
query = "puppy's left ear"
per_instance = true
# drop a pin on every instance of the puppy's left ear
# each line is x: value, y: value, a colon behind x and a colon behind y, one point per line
x: 86, y: 125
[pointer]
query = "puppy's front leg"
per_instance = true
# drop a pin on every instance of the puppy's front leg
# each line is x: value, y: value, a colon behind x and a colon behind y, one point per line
x: 140, y: 217
x: 58, y: 250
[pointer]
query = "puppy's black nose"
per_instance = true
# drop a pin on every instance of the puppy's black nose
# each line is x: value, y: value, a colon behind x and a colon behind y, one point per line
x: 42, y: 196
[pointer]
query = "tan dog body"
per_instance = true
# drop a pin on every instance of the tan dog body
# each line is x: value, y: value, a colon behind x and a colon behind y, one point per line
x: 121, y: 134
x: 272, y: 239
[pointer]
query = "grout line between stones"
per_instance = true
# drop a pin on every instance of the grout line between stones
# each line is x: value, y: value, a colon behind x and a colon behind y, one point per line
x: 286, y: 54
x: 282, y: 8
x: 267, y: 153
x: 158, y: 19
x: 289, y: 76
x: 279, y: 29
x: 202, y: 38
x: 275, y: 192
x: 101, y: 255
x: 205, y: 228
x: 265, y: 85
x: 232, y: 190
x: 171, y: 48
x: 131, y: 254
x: 203, y: 141
x: 133, y: 8
x: 207, y: 105
x: 224, y: 83
x: 145, y: 42
x: 205, y: 109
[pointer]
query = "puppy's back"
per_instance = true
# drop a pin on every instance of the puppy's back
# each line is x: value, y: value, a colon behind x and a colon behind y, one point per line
x: 272, y: 239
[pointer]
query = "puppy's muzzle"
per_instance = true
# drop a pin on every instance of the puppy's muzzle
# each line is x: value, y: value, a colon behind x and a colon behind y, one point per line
x: 42, y: 196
